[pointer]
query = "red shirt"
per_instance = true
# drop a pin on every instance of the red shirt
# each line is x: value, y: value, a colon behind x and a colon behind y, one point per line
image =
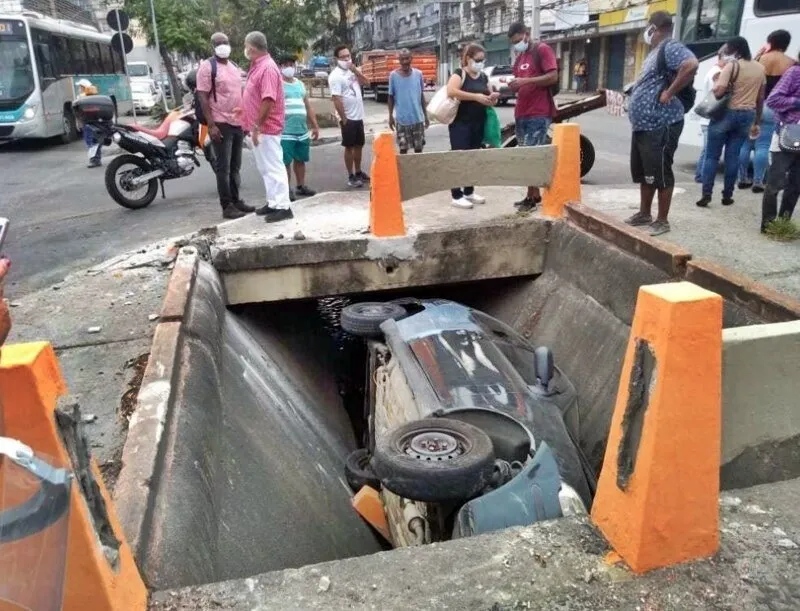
x: 534, y: 101
x: 264, y: 82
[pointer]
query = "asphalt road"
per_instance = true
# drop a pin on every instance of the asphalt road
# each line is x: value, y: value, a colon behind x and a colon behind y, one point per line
x: 62, y: 219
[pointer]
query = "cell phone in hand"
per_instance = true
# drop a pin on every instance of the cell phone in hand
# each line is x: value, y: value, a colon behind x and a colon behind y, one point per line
x: 3, y: 231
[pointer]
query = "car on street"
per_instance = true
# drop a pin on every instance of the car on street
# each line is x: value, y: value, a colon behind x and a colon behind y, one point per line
x: 499, y: 78
x: 469, y: 427
x: 145, y: 95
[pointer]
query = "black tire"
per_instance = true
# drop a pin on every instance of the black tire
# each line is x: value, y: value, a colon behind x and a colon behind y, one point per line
x: 458, y: 471
x: 114, y: 191
x: 358, y: 471
x: 587, y: 155
x: 70, y: 127
x: 365, y: 319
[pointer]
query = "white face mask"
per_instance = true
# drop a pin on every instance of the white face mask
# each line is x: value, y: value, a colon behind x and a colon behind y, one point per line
x: 729, y: 58
x: 246, y: 53
x: 476, y: 66
x: 521, y: 46
x: 222, y: 51
x: 345, y: 64
x: 288, y: 71
x: 647, y: 37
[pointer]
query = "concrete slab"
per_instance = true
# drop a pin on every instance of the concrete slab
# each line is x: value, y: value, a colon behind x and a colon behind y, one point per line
x: 551, y: 565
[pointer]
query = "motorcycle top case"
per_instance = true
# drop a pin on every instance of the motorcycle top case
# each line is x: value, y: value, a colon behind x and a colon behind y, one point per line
x: 94, y: 109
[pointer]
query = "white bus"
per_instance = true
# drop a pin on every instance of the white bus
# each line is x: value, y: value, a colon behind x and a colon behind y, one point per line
x: 41, y: 60
x: 708, y: 24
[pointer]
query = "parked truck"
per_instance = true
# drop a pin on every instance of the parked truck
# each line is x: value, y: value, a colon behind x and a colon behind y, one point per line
x: 377, y: 65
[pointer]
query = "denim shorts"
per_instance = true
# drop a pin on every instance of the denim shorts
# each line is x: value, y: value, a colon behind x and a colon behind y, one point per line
x: 532, y: 131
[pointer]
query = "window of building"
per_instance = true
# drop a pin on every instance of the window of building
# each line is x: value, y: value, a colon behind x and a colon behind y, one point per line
x: 775, y: 7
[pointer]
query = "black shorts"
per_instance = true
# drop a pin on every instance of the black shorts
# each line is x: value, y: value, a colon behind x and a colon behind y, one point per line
x: 353, y: 134
x: 652, y: 154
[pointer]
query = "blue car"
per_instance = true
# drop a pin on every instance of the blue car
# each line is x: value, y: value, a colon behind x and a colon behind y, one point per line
x: 466, y: 420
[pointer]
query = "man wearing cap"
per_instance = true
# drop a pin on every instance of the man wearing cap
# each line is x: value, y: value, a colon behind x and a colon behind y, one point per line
x: 85, y: 88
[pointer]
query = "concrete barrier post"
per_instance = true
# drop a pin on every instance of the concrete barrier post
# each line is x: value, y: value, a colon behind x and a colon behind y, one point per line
x: 385, y: 201
x: 565, y: 186
x: 657, y: 498
x: 98, y: 576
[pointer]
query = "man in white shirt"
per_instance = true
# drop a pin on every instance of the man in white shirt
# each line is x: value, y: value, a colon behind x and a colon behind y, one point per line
x: 345, y: 83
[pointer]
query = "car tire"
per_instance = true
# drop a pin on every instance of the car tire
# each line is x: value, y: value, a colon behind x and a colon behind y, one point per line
x: 358, y: 471
x: 365, y: 319
x: 456, y: 471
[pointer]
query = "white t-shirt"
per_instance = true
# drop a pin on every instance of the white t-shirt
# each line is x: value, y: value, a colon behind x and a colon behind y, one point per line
x: 345, y: 84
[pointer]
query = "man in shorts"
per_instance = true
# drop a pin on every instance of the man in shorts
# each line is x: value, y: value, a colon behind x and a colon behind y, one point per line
x: 407, y: 116
x: 345, y: 82
x: 295, y: 140
x: 656, y: 117
x: 535, y: 72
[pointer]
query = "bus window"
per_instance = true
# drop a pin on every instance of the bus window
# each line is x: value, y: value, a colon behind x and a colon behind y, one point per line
x: 95, y: 60
x: 710, y: 20
x: 107, y: 59
x: 775, y: 7
x: 61, y: 56
x: 77, y: 52
x: 44, y: 63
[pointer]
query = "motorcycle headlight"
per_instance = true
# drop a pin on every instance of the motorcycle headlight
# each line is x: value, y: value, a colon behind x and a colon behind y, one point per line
x: 29, y: 113
x: 570, y: 501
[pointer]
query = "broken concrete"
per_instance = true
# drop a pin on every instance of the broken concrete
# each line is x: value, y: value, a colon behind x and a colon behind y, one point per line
x: 550, y: 565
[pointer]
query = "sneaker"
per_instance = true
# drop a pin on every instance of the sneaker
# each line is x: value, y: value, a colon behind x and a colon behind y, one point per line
x: 362, y: 176
x: 658, y: 228
x: 304, y: 191
x: 476, y: 199
x: 354, y: 181
x: 275, y: 215
x: 703, y: 201
x: 292, y: 196
x: 95, y: 163
x: 231, y: 212
x: 727, y: 201
x: 758, y: 188
x: 240, y: 205
x: 639, y: 220
x: 744, y: 185
x: 526, y: 205
x: 461, y: 202
x: 264, y: 209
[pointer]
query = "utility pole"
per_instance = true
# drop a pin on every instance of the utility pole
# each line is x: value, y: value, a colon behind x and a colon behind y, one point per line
x: 536, y: 27
x: 158, y: 49
x: 444, y: 63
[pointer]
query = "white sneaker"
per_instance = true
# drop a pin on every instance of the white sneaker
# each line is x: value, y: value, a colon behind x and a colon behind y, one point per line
x: 462, y: 202
x: 476, y: 199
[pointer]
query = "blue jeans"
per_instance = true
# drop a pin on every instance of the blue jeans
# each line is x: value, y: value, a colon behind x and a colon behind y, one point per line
x: 729, y: 132
x: 761, y: 147
x: 532, y: 131
x: 698, y: 168
x: 92, y: 145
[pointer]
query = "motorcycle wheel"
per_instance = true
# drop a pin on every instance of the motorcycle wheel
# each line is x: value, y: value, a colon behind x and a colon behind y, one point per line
x: 118, y: 190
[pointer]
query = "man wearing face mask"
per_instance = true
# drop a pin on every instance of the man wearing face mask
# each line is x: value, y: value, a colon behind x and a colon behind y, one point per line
x: 219, y: 91
x: 535, y: 72
x: 345, y: 82
x: 656, y: 116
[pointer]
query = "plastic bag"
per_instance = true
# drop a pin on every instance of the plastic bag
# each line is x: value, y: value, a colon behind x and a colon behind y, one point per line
x: 492, y: 132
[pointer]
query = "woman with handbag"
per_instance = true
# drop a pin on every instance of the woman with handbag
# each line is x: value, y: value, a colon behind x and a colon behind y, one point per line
x: 784, y: 173
x: 470, y: 86
x: 739, y: 94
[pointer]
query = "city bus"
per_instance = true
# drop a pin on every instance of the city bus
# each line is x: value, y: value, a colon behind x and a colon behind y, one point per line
x: 707, y: 24
x: 41, y: 61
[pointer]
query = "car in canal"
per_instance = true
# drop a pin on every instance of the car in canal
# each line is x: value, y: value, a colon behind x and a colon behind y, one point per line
x: 470, y: 428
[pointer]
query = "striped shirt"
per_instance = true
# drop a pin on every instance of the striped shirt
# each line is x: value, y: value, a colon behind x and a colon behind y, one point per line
x: 264, y: 83
x: 296, y: 127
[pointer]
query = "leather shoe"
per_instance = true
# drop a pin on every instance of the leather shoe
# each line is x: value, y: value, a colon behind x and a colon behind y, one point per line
x: 240, y: 205
x: 231, y: 212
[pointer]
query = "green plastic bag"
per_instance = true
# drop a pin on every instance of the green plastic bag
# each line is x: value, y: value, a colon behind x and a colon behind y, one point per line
x: 491, y: 129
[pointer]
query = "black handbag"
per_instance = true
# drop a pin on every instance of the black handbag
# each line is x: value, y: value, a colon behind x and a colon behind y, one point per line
x: 789, y: 138
x: 714, y: 108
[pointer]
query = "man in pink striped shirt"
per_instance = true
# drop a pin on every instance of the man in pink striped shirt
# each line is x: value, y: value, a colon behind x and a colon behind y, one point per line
x: 263, y: 116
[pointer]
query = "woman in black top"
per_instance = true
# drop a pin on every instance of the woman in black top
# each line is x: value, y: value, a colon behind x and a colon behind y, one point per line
x: 471, y: 86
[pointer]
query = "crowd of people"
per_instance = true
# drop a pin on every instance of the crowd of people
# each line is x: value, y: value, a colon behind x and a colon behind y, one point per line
x: 757, y: 98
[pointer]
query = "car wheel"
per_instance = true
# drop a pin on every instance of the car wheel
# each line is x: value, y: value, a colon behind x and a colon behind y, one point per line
x: 435, y: 460
x: 358, y: 471
x: 365, y: 319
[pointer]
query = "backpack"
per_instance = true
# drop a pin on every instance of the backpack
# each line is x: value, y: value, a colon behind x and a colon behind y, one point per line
x: 555, y: 88
x: 687, y: 95
x: 198, y: 107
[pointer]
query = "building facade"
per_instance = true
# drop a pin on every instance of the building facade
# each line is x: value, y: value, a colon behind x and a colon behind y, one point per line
x: 605, y: 33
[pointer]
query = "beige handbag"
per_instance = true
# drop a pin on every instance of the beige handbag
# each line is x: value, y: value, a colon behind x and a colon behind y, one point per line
x: 442, y: 107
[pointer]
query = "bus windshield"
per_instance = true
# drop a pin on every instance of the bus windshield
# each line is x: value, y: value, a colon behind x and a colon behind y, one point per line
x: 16, y: 71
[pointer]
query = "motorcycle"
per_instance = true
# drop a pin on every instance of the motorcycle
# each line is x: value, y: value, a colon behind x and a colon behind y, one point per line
x: 154, y: 155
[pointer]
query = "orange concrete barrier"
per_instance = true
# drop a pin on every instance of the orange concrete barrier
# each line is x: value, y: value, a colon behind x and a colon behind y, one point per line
x: 385, y: 201
x: 565, y: 186
x: 30, y: 383
x: 367, y: 502
x: 657, y: 498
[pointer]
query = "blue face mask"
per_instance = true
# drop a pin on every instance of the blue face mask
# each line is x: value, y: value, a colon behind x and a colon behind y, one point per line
x: 521, y: 46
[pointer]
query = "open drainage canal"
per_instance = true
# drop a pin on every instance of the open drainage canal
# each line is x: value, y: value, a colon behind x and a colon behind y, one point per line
x: 452, y: 406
